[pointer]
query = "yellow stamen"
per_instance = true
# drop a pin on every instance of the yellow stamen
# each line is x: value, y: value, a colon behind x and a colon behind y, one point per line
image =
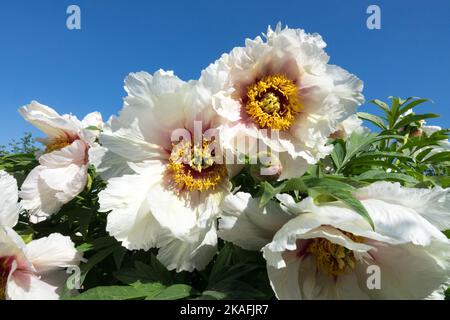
x: 331, y: 258
x: 57, y: 144
x: 273, y: 102
x: 193, y: 168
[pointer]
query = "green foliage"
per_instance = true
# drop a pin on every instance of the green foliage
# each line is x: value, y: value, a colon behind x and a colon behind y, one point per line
x: 26, y: 144
x: 402, y: 151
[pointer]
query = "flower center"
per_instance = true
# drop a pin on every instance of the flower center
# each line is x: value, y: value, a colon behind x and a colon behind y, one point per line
x: 58, y: 144
x: 273, y: 102
x: 192, y: 167
x: 331, y: 258
x: 5, y: 268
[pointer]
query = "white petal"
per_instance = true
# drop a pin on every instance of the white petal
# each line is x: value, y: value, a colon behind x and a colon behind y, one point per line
x: 75, y: 153
x: 197, y: 103
x: 49, y: 121
x: 37, y: 197
x: 11, y: 244
x: 131, y: 220
x: 299, y: 280
x: 307, y: 226
x: 244, y: 223
x: 350, y: 125
x: 172, y: 211
x: 130, y: 144
x: 409, y: 271
x: 93, y: 119
x: 292, y: 167
x: 154, y: 101
x: 194, y: 251
x: 9, y: 212
x: 432, y: 204
x: 108, y: 164
x: 61, y: 176
x: 24, y: 286
x: 68, y: 181
x: 51, y: 253
x: 401, y: 223
x: 393, y: 223
x: 226, y: 107
x: 285, y: 282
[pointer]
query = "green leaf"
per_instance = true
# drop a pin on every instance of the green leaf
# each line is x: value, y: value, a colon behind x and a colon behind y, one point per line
x: 93, y: 262
x: 447, y: 233
x: 413, y: 104
x: 174, y: 292
x: 111, y: 293
x: 156, y: 269
x: 269, y: 192
x: 357, y: 144
x: 438, y: 157
x: 338, y: 154
x: 327, y: 183
x: 233, y: 289
x: 221, y: 263
x: 118, y: 255
x: 364, y: 158
x: 136, y: 291
x: 347, y: 180
x: 93, y: 128
x: 354, y: 204
x: 212, y: 295
x: 145, y: 273
x: 369, y: 164
x: 323, y: 188
x: 97, y: 244
x: 149, y: 289
x: 395, y: 110
x: 422, y: 154
x: 295, y: 184
x: 414, y: 118
x: 382, y: 105
x: 373, y: 119
x: 378, y: 175
x: 443, y: 181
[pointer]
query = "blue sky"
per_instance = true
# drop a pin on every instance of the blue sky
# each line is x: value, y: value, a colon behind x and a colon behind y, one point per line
x: 80, y: 71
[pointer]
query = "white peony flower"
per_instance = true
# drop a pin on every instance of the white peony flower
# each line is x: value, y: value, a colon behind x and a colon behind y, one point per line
x: 33, y: 270
x: 283, y: 86
x: 329, y: 251
x: 172, y: 196
x: 62, y: 173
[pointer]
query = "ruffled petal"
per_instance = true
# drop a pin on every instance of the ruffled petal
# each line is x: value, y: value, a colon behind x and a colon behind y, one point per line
x: 52, y: 253
x: 9, y: 196
x: 247, y: 225
x: 432, y: 204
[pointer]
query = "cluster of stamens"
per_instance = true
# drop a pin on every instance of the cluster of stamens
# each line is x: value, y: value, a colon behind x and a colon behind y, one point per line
x: 273, y: 102
x: 193, y: 167
x: 331, y: 258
